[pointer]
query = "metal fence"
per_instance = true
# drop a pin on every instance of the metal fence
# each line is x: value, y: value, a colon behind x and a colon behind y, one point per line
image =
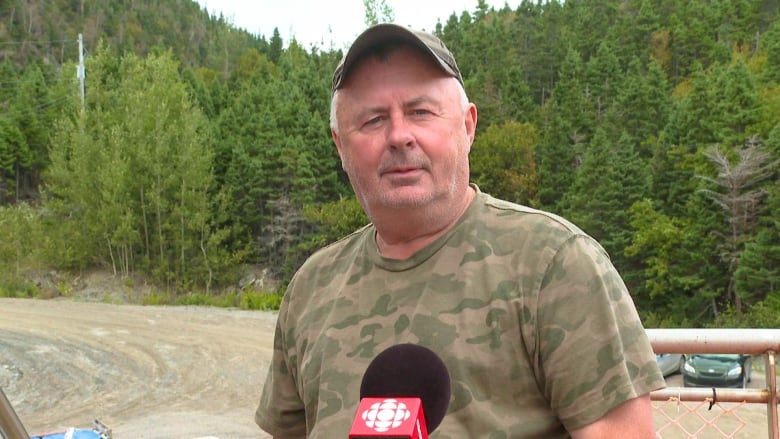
x: 693, y: 413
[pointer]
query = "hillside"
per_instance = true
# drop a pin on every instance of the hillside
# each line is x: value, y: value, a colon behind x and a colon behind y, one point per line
x: 47, y: 30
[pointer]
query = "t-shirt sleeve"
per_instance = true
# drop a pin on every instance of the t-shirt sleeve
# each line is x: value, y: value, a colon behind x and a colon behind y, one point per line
x: 281, y: 410
x: 593, y: 349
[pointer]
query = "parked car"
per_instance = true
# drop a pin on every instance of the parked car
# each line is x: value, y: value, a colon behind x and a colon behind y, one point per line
x: 717, y: 370
x: 670, y: 364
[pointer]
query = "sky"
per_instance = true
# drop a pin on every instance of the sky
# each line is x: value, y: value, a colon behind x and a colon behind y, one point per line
x: 333, y: 23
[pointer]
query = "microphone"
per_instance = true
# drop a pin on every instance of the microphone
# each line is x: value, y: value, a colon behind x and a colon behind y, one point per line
x: 404, y: 394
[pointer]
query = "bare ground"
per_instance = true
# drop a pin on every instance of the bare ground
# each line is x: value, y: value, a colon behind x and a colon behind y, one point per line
x: 183, y: 372
x: 146, y: 372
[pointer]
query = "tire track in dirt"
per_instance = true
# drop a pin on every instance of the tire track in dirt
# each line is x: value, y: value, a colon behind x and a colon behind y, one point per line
x: 147, y: 372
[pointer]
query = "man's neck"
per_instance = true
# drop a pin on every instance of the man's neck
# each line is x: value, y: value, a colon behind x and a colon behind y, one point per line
x: 401, y: 239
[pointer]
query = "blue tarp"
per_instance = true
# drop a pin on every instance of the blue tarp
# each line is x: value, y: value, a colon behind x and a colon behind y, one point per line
x: 75, y: 434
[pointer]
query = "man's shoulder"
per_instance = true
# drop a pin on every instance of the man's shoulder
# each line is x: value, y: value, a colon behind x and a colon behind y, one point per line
x: 502, y: 212
x: 331, y: 254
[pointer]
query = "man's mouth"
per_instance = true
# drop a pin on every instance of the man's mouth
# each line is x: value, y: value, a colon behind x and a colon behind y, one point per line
x: 403, y: 170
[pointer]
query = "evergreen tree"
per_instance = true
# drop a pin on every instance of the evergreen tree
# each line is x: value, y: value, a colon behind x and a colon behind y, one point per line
x: 31, y: 110
x: 702, y: 258
x: 566, y: 130
x: 15, y: 157
x: 736, y: 106
x: 675, y: 157
x: 602, y: 76
x: 696, y: 123
x: 673, y: 169
x: 496, y: 84
x: 29, y: 106
x: 643, y: 105
x: 692, y: 42
x: 738, y: 21
x: 555, y: 158
x: 633, y: 34
x: 198, y: 83
x: 551, y: 47
x: 275, y: 47
x: 611, y: 179
x: 770, y: 43
x: 757, y: 276
x: 9, y: 77
x: 277, y: 157
x: 583, y: 36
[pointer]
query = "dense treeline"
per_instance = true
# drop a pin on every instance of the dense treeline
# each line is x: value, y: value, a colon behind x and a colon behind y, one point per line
x: 200, y: 149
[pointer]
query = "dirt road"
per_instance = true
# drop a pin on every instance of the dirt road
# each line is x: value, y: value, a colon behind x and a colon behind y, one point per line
x: 147, y: 372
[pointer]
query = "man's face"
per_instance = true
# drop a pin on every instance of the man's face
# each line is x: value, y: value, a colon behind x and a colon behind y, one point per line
x: 403, y: 133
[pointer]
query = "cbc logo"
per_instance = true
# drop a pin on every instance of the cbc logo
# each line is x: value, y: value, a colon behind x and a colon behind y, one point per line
x: 385, y: 415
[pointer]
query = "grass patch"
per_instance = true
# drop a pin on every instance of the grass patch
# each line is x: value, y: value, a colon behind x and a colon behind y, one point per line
x: 249, y: 300
x: 261, y: 300
x: 15, y: 288
x: 111, y: 289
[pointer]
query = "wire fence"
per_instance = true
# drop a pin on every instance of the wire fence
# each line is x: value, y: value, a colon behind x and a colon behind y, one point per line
x: 703, y: 413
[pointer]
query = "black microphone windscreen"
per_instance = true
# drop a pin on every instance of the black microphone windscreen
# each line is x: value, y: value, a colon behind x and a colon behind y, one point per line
x: 409, y: 370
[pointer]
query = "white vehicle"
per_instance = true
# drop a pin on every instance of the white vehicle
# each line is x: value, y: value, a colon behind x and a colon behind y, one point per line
x: 670, y: 364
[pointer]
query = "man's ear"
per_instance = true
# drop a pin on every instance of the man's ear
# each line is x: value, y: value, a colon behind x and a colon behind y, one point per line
x: 471, y: 123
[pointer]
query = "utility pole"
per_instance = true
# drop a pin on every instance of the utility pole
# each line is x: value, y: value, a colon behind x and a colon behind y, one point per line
x: 80, y: 69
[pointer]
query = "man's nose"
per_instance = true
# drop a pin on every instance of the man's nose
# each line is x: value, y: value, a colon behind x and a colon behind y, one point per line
x: 399, y: 132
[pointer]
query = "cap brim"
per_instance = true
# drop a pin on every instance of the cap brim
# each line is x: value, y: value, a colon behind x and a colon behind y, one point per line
x: 387, y: 32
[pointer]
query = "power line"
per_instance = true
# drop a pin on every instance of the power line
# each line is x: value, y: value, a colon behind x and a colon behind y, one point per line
x: 28, y: 81
x: 38, y: 42
x: 80, y: 73
x: 13, y: 113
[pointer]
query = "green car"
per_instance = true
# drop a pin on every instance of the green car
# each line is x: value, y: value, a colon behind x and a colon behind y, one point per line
x: 717, y: 370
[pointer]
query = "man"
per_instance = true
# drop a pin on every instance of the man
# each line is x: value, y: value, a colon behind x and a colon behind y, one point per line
x: 536, y: 328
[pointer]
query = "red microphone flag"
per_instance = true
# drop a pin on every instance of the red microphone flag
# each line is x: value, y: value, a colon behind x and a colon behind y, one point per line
x: 391, y: 417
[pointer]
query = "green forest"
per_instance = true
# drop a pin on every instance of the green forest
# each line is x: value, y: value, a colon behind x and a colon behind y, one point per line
x: 187, y: 149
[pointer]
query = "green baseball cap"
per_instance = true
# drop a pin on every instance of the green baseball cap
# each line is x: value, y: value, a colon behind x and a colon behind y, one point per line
x: 383, y: 33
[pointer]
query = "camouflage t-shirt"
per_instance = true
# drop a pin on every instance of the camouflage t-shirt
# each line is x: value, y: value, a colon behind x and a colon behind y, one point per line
x: 535, y: 325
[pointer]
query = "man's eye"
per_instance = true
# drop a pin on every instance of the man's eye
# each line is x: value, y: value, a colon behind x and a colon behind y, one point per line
x: 374, y: 120
x: 421, y: 112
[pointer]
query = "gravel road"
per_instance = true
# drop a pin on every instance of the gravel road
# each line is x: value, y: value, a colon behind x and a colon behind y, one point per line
x: 146, y: 372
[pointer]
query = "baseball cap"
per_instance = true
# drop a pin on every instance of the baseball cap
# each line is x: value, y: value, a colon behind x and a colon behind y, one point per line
x: 384, y: 33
